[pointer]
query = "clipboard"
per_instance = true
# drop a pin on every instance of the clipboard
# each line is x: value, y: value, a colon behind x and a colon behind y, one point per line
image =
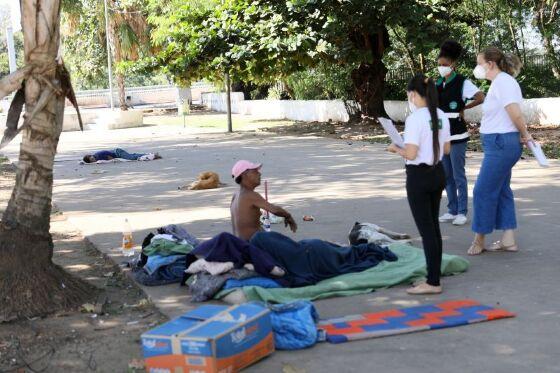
x: 389, y: 127
x: 538, y: 153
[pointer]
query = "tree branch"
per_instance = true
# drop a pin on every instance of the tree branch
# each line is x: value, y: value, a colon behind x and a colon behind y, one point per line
x: 12, y: 82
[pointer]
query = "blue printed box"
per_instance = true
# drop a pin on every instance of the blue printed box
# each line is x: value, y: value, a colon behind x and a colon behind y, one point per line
x: 210, y: 339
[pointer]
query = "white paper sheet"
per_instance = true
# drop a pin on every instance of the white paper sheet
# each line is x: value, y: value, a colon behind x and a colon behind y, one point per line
x: 389, y: 127
x: 536, y: 149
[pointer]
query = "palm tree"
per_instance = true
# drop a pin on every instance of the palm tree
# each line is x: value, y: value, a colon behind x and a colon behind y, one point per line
x: 30, y: 284
x: 128, y: 31
x: 129, y: 35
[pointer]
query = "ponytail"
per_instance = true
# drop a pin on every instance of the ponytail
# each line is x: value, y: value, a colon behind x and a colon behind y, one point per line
x: 426, y: 88
x: 507, y: 62
x: 511, y: 64
x: 432, y: 101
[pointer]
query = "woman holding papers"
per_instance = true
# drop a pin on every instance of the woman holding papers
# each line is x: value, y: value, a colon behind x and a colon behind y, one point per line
x: 454, y: 90
x: 426, y: 140
x: 503, y: 130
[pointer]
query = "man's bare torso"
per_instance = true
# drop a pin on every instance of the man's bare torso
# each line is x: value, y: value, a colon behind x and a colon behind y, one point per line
x: 245, y: 216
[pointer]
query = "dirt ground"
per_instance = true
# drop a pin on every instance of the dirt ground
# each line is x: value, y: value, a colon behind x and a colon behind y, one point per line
x: 548, y: 136
x: 103, y: 336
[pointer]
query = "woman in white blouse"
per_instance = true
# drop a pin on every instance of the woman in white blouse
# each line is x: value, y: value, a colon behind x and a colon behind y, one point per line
x: 503, y: 130
x: 426, y: 139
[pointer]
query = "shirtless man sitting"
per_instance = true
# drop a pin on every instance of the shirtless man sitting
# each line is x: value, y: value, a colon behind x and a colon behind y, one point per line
x: 246, y: 204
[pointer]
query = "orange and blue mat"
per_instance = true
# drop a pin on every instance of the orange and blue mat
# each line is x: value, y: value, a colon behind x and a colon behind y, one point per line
x: 408, y: 320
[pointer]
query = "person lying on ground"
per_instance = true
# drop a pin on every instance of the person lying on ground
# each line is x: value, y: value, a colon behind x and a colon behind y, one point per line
x: 107, y: 155
x: 246, y: 204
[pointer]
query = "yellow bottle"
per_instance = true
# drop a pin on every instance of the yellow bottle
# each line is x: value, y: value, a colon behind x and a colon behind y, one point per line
x: 127, y: 242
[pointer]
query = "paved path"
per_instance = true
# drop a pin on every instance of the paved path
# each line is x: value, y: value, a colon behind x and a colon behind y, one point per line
x: 339, y: 183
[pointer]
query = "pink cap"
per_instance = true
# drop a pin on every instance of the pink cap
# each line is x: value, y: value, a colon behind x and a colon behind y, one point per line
x: 241, y: 166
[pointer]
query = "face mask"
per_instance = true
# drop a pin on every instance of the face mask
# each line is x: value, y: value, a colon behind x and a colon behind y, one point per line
x: 411, y: 106
x: 479, y: 72
x: 444, y: 70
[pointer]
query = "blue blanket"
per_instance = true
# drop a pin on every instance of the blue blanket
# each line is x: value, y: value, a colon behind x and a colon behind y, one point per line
x: 263, y: 282
x: 308, y: 262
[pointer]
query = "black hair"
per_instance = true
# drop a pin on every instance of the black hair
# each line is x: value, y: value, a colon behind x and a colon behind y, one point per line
x: 426, y: 88
x: 450, y: 49
x: 86, y: 158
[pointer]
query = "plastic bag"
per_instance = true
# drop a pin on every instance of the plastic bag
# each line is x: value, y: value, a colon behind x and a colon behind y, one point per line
x: 294, y: 325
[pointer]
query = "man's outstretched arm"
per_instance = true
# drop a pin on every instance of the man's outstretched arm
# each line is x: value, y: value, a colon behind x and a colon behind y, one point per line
x: 263, y: 204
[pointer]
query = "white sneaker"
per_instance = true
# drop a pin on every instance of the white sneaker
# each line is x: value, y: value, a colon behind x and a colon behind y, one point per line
x: 446, y: 218
x: 460, y: 220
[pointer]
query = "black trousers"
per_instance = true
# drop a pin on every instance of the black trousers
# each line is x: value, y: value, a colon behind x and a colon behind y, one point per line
x: 424, y: 186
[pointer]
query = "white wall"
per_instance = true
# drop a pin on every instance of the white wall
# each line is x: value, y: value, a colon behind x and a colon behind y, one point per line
x: 304, y: 110
x: 94, y: 119
x: 217, y: 101
x: 543, y: 111
x: 141, y: 95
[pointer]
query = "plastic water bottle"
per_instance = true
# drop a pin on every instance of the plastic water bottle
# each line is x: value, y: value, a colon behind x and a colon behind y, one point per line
x: 127, y: 243
x: 266, y: 224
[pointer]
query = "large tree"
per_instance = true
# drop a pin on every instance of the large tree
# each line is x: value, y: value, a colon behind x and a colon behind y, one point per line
x: 85, y: 45
x: 30, y: 284
x: 546, y: 17
x: 258, y: 40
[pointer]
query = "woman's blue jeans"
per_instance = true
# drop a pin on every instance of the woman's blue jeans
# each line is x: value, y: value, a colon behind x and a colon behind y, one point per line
x: 494, y: 207
x: 456, y: 179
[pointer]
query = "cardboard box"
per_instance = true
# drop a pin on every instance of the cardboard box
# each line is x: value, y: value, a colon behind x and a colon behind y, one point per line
x: 210, y: 339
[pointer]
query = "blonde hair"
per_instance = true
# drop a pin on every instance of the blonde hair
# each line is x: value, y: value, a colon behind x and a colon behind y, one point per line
x: 507, y: 62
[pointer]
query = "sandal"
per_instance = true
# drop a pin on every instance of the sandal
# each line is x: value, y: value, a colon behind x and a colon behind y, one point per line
x: 499, y: 246
x: 475, y: 249
x: 424, y: 289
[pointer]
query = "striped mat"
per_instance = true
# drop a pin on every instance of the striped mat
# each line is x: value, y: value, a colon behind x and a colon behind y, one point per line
x: 408, y: 320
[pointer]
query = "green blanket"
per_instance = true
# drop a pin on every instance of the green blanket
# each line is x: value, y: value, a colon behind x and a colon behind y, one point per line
x: 163, y: 247
x: 410, y: 267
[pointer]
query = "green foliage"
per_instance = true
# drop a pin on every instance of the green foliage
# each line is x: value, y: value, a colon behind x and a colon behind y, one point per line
x: 323, y: 82
x: 18, y: 44
x: 311, y: 45
x: 275, y: 92
x: 538, y: 81
x: 253, y: 40
x: 265, y: 41
x: 129, y: 40
x: 477, y: 24
x: 84, y: 46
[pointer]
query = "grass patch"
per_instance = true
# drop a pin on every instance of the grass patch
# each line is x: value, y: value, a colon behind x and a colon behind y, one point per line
x: 214, y: 121
x: 551, y: 150
x: 379, y: 140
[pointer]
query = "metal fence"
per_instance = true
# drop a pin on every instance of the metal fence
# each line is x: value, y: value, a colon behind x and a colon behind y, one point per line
x: 157, y: 94
x: 540, y: 62
x: 138, y: 90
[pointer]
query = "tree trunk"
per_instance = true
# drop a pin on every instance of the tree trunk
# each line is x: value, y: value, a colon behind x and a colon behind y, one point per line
x: 122, y: 95
x: 548, y: 44
x: 422, y: 59
x: 513, y: 34
x: 552, y: 56
x: 369, y: 77
x: 31, y: 284
x: 184, y: 100
x: 369, y: 84
x: 410, y: 60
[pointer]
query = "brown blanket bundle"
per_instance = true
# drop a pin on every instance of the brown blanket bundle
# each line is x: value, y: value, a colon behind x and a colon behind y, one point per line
x: 205, y: 180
